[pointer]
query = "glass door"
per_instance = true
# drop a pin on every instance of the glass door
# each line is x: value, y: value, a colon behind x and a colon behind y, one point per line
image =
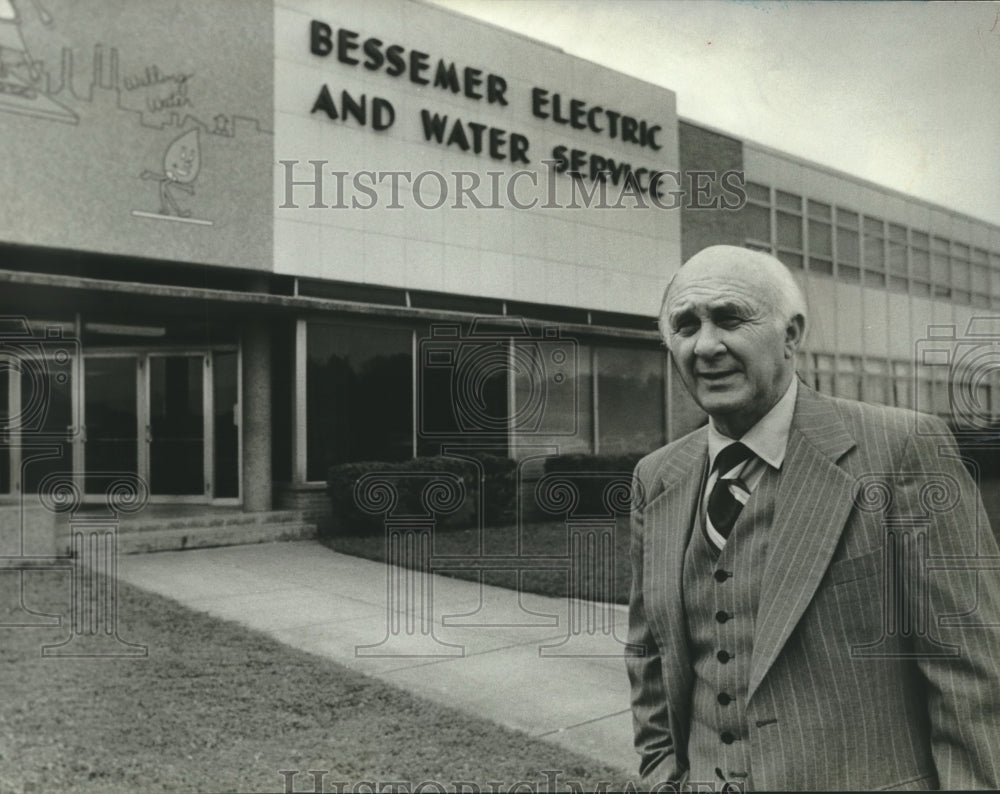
x: 44, y: 418
x: 5, y: 427
x: 111, y: 419
x: 178, y: 425
x: 172, y: 418
x: 226, y: 424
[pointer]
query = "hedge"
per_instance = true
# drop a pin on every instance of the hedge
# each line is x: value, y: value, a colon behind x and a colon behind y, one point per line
x: 593, y: 463
x: 498, y: 475
x: 593, y: 474
x: 980, y: 450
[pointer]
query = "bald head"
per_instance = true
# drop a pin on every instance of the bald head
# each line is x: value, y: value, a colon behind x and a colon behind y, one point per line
x: 779, y: 286
x: 733, y: 320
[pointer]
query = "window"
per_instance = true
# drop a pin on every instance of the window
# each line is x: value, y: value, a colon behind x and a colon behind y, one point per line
x: 464, y: 391
x: 902, y: 384
x: 920, y: 263
x: 820, y: 238
x: 980, y: 278
x: 225, y: 398
x: 961, y: 273
x: 553, y: 396
x: 994, y: 280
x: 759, y: 193
x: 897, y: 258
x: 757, y: 215
x: 359, y: 395
x: 848, y: 251
x: 874, y: 382
x: 788, y: 221
x: 995, y: 396
x: 940, y: 267
x: 5, y: 428
x: 861, y: 249
x: 825, y: 368
x: 925, y: 391
x: 848, y: 382
x: 44, y: 378
x: 630, y: 399
x: 941, y: 400
x: 874, y: 252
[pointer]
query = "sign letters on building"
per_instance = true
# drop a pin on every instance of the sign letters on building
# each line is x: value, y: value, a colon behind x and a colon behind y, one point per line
x: 420, y: 68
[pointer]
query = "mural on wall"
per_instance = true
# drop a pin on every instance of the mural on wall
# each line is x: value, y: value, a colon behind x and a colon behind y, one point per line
x: 154, y: 134
x: 181, y: 163
x: 20, y: 73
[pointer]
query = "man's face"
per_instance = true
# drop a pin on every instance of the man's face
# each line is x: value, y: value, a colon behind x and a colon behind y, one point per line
x: 734, y: 352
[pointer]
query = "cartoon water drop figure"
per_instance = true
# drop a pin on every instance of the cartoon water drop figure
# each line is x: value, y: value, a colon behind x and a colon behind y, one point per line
x: 181, y: 164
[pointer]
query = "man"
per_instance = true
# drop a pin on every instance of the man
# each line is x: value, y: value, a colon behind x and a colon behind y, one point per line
x: 806, y: 603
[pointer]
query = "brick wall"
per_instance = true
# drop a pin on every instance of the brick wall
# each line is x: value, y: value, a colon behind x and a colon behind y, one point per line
x: 703, y: 150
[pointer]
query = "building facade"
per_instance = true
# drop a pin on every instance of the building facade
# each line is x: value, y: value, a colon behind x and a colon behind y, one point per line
x: 279, y: 236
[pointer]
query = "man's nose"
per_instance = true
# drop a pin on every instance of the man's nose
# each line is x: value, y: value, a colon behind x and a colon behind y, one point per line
x: 709, y: 341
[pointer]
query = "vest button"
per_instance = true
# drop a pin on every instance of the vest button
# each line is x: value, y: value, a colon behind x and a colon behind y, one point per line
x: 723, y: 656
x: 721, y: 575
x: 724, y: 699
x: 722, y: 616
x: 727, y: 737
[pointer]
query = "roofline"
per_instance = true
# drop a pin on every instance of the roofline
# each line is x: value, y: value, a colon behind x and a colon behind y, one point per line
x: 745, y: 141
x: 492, y: 25
x: 541, y: 43
x: 296, y: 303
x: 840, y: 174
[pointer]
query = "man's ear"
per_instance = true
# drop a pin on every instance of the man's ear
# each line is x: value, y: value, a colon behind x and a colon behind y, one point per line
x: 795, y: 332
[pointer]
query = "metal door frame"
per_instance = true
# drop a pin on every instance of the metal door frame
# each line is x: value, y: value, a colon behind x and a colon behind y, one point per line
x: 142, y: 357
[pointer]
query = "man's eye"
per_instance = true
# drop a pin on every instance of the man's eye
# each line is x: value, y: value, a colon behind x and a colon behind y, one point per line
x: 685, y: 327
x: 729, y: 322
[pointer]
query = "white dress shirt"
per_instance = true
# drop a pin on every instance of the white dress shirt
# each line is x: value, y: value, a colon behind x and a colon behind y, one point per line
x: 767, y: 439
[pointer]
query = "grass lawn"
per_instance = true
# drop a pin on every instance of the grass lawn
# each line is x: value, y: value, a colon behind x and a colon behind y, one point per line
x: 539, y: 538
x: 536, y: 539
x: 217, y: 707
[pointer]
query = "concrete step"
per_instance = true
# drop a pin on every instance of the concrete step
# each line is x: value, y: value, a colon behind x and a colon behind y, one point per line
x: 208, y: 520
x: 199, y: 536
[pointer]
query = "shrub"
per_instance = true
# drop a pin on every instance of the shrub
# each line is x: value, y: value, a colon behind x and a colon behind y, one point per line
x: 979, y: 450
x: 609, y: 464
x: 593, y: 474
x: 498, y: 483
x: 500, y: 488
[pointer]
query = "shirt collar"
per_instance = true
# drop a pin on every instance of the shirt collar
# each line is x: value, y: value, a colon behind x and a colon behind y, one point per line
x: 768, y: 438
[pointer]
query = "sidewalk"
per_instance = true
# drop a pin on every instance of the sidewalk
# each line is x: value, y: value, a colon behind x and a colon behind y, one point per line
x: 484, y: 654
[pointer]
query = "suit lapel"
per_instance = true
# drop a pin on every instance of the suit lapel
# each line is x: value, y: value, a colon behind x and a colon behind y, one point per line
x: 669, y: 520
x: 813, y: 501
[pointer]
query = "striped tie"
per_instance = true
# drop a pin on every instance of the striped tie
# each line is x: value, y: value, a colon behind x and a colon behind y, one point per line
x: 729, y: 493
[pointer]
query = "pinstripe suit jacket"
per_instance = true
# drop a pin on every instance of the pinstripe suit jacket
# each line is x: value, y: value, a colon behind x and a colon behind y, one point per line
x: 857, y: 680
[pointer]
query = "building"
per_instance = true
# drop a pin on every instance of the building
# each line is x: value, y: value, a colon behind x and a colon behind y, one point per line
x: 270, y: 237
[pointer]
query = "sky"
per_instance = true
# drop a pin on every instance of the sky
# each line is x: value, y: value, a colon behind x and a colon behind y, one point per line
x: 904, y: 94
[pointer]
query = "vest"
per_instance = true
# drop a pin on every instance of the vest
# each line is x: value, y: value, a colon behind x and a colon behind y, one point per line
x: 721, y: 595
